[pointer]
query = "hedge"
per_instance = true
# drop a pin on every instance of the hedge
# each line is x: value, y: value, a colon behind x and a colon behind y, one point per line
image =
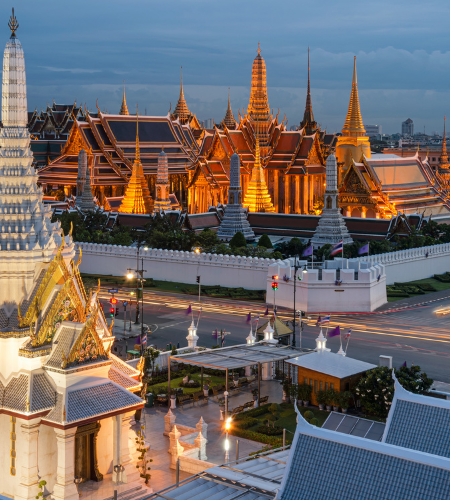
x: 255, y: 412
x: 246, y: 423
x: 269, y: 431
x: 256, y: 436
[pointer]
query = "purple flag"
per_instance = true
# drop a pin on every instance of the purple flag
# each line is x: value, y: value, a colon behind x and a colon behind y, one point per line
x: 308, y: 251
x: 404, y: 364
x: 267, y: 312
x: 336, y: 331
x: 249, y: 318
x: 364, y: 249
x: 215, y: 334
x: 188, y: 310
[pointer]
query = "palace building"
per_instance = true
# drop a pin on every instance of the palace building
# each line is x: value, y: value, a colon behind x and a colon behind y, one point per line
x: 109, y: 141
x: 292, y: 162
x: 66, y: 402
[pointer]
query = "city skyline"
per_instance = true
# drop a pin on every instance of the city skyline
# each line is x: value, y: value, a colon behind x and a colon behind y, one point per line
x: 84, y: 52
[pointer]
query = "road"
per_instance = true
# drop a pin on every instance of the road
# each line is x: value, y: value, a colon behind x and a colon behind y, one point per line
x: 415, y: 335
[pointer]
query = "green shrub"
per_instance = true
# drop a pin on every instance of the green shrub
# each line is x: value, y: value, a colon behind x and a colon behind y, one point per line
x: 265, y: 242
x: 255, y: 412
x: 321, y: 397
x: 273, y: 408
x: 246, y: 423
x: 444, y: 278
x: 238, y: 240
x: 308, y: 415
x: 314, y: 421
x: 427, y: 287
x: 276, y: 442
x: 269, y: 431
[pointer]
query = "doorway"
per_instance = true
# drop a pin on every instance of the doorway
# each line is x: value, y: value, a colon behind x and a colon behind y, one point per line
x: 86, y: 465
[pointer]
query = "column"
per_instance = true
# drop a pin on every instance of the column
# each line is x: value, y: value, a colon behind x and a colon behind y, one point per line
x: 276, y: 179
x: 287, y: 194
x: 127, y: 448
x: 65, y: 488
x: 363, y: 212
x: 310, y: 193
x: 297, y: 194
x: 304, y: 195
x: 349, y: 211
x: 28, y: 460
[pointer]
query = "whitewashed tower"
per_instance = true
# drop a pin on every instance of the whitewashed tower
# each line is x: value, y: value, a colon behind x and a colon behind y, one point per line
x: 27, y: 237
x: 235, y: 217
x: 331, y: 227
x: 162, y: 187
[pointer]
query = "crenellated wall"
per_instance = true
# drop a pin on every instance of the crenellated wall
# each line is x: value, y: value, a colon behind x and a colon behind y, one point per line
x: 357, y: 287
x: 174, y: 265
x: 414, y: 263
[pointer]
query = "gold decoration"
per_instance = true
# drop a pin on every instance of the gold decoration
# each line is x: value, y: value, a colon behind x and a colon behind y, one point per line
x: 354, y: 126
x: 13, y: 24
x: 79, y: 258
x: 111, y: 327
x: 64, y: 413
x: 71, y: 229
x: 181, y: 110
x: 13, y: 453
x: 28, y: 403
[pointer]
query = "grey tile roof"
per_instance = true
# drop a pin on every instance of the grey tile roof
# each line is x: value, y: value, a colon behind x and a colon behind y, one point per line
x: 123, y: 366
x: 85, y: 403
x: 43, y: 396
x: 15, y: 393
x: 56, y: 415
x: 121, y: 379
x: 327, y: 469
x: 62, y: 344
x: 421, y: 427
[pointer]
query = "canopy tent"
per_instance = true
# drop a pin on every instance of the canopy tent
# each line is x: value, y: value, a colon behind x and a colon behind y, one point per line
x: 238, y: 356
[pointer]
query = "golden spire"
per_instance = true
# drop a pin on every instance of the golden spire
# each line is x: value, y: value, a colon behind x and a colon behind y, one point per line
x: 257, y: 197
x: 13, y: 24
x: 137, y: 199
x: 258, y: 108
x: 308, y: 118
x: 443, y: 159
x: 181, y: 110
x: 354, y: 126
x: 229, y: 120
x: 123, y: 108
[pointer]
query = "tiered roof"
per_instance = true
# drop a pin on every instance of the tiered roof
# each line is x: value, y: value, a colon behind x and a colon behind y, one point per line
x: 353, y: 126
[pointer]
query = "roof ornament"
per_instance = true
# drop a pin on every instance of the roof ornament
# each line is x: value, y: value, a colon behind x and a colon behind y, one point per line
x: 13, y: 24
x: 259, y: 46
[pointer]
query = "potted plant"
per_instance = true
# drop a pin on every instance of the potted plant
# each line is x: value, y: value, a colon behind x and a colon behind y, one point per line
x: 221, y: 407
x: 294, y: 392
x: 321, y: 398
x: 206, y: 390
x: 329, y: 399
x: 307, y: 394
x: 286, y: 389
x: 344, y: 400
x: 335, y: 401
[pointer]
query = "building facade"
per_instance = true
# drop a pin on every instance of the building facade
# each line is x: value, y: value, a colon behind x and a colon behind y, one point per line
x: 408, y: 128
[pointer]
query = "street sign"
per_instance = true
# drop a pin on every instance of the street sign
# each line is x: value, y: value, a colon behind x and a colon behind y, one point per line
x: 113, y: 290
x: 125, y: 303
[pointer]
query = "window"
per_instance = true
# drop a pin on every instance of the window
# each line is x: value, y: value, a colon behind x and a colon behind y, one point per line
x: 332, y: 387
x: 310, y: 382
x: 321, y: 385
x: 305, y: 380
x: 347, y: 386
x: 315, y: 385
x: 326, y: 386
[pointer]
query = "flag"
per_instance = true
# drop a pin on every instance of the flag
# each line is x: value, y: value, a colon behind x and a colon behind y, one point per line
x: 307, y: 251
x: 256, y: 319
x: 336, y: 331
x: 144, y: 339
x: 188, y: 310
x: 404, y: 364
x: 249, y: 318
x: 364, y: 249
x: 267, y: 312
x: 223, y: 339
x: 339, y: 247
x: 215, y: 334
x: 325, y: 319
x: 319, y: 321
x: 347, y: 336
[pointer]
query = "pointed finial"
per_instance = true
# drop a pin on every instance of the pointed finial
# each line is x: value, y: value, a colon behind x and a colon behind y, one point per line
x: 124, y: 108
x: 259, y: 49
x: 354, y: 71
x: 13, y: 24
x: 138, y: 153
x: 181, y: 79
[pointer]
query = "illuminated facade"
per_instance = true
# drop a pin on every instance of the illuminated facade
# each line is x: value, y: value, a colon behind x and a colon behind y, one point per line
x: 292, y: 163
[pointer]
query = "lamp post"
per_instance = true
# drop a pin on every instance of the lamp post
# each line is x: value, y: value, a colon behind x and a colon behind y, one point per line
x: 139, y: 277
x: 227, y: 443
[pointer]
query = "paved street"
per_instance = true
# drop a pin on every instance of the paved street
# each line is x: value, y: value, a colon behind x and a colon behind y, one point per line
x: 416, y: 335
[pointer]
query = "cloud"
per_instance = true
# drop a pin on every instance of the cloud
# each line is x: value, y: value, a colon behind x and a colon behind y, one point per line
x: 70, y: 70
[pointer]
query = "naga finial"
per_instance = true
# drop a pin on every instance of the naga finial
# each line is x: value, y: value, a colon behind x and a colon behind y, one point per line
x: 13, y: 24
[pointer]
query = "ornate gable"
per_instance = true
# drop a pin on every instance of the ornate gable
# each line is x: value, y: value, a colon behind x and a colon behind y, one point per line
x: 75, y: 143
x: 353, y: 189
x: 88, y: 347
x: 315, y: 156
x: 217, y: 150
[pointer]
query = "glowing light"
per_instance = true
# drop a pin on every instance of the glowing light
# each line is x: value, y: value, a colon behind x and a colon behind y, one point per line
x: 228, y: 424
x: 130, y: 276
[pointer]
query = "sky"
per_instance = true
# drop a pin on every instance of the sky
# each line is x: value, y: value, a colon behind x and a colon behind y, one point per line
x: 84, y: 50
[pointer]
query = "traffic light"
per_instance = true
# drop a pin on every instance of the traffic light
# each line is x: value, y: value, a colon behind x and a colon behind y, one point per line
x: 274, y: 286
x: 198, y: 279
x: 117, y: 311
x: 275, y: 277
x: 111, y: 312
x: 113, y: 301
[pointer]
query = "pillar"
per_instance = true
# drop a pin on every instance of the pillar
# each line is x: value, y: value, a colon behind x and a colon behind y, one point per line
x: 363, y: 212
x: 117, y: 441
x: 28, y: 460
x: 276, y: 180
x: 65, y: 488
x: 297, y: 194
x: 169, y: 422
x: 349, y: 211
x: 287, y: 194
x: 200, y: 442
x: 267, y: 371
x: 127, y: 448
x: 202, y: 427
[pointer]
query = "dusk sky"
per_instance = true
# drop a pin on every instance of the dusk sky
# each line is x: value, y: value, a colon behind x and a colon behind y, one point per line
x: 84, y: 50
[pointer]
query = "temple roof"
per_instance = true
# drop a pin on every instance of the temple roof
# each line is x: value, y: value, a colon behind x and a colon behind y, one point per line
x: 353, y: 126
x: 123, y: 107
x: 181, y: 111
x: 308, y: 122
x: 229, y: 120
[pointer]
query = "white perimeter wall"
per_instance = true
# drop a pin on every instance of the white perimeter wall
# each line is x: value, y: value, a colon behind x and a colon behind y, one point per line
x: 412, y: 264
x: 174, y: 265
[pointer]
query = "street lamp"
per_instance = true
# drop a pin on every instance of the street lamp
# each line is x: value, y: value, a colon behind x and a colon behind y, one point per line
x: 227, y: 443
x: 297, y: 266
x: 130, y: 275
x: 139, y: 277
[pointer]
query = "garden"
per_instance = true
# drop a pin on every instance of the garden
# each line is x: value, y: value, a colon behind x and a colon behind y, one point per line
x: 437, y: 283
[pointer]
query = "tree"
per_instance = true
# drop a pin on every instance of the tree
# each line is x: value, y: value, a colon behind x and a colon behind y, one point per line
x: 291, y: 248
x: 376, y: 388
x: 265, y: 242
x: 238, y: 240
x: 207, y: 239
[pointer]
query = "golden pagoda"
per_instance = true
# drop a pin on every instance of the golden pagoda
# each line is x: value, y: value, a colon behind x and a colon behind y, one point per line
x: 123, y: 108
x: 137, y: 199
x: 258, y: 108
x: 257, y: 197
x: 182, y: 111
x: 229, y: 120
x: 443, y: 159
x: 354, y: 142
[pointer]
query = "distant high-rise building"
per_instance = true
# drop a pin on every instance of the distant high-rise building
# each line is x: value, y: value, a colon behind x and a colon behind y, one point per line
x: 408, y: 127
x: 373, y: 130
